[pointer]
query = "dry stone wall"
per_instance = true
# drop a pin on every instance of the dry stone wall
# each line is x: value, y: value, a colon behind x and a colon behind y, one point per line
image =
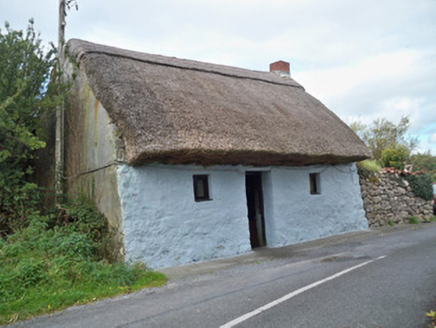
x: 387, y: 197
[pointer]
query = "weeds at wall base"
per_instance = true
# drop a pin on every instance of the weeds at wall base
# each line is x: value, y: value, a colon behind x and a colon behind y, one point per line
x: 413, y: 220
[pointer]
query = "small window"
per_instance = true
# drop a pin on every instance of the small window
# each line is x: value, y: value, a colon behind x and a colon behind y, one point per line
x: 314, y: 184
x: 201, y: 187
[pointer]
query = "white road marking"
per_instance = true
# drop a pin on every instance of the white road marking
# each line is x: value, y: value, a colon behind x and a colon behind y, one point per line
x: 294, y: 293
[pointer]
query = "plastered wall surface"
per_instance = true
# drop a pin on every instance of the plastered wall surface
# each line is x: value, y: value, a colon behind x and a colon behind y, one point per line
x: 295, y: 215
x: 164, y: 226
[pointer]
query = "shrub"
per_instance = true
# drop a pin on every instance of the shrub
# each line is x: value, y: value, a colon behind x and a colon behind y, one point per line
x: 413, y: 220
x: 422, y: 185
x: 395, y: 157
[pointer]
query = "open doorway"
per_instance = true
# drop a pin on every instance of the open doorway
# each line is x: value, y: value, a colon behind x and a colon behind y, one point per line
x: 256, y: 221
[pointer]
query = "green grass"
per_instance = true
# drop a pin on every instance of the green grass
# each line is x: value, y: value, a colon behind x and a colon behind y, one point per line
x: 413, y: 220
x: 369, y: 165
x: 44, y: 269
x: 59, y: 294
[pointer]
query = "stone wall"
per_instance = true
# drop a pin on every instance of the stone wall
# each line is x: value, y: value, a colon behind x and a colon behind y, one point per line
x: 387, y: 197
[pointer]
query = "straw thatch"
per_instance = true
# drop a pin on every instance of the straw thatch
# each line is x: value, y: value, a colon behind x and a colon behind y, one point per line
x: 179, y: 111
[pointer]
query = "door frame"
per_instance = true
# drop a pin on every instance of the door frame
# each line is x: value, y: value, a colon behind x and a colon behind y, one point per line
x: 255, y: 208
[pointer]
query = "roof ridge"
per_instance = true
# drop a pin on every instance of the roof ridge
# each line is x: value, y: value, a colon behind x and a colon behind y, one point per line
x: 83, y: 51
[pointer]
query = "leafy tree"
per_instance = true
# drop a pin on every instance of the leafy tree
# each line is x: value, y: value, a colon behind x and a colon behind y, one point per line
x: 25, y: 69
x: 383, y: 134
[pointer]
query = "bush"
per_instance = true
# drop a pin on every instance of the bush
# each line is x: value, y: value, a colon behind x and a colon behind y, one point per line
x: 422, y: 185
x: 395, y: 157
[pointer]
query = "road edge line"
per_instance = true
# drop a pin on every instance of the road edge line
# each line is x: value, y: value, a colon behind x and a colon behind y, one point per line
x: 251, y: 314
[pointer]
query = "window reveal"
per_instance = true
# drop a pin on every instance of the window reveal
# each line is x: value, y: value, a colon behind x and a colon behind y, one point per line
x: 314, y: 184
x: 201, y: 187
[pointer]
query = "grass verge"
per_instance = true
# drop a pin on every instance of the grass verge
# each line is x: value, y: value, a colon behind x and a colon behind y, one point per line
x: 46, y: 268
x: 49, y: 298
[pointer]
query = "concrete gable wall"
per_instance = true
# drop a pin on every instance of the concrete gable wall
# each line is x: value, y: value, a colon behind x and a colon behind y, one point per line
x: 92, y: 149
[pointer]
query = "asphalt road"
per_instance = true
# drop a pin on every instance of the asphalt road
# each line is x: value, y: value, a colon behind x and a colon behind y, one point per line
x: 381, y: 278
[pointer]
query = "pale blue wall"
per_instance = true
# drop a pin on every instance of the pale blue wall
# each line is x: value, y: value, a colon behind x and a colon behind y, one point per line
x: 164, y: 226
x: 296, y: 215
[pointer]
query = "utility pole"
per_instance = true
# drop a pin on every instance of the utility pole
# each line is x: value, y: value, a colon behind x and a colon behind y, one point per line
x: 59, y: 165
x: 59, y: 143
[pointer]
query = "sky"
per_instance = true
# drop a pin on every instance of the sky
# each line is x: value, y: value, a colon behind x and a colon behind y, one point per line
x: 364, y: 59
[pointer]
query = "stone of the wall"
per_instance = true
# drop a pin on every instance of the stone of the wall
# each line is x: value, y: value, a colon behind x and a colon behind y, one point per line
x: 387, y: 197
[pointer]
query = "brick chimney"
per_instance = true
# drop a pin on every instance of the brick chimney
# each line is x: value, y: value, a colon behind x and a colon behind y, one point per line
x: 280, y: 68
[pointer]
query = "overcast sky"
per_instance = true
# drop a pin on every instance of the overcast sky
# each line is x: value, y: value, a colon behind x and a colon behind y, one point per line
x: 364, y: 59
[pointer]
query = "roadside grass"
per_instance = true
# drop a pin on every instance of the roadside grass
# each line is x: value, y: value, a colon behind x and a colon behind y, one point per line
x: 58, y: 295
x: 46, y: 268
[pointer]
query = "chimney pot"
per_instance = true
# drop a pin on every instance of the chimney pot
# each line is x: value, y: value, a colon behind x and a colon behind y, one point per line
x: 280, y: 68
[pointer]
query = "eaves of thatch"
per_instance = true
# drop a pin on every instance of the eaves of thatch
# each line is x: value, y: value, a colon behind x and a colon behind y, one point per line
x: 177, y: 111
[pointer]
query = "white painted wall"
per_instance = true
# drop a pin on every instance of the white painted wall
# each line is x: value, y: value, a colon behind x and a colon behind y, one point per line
x: 164, y: 226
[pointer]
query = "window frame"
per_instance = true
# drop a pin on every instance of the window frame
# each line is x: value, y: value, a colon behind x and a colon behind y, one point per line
x: 314, y: 184
x: 204, y: 179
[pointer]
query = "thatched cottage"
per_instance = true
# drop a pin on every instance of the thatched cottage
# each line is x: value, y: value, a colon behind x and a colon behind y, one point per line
x: 192, y: 161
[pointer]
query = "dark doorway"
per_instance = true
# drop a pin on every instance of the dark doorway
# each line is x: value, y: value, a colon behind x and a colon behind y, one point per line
x: 256, y: 221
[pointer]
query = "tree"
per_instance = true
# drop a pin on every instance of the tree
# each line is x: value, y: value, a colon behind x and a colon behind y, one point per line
x: 383, y: 134
x: 25, y: 70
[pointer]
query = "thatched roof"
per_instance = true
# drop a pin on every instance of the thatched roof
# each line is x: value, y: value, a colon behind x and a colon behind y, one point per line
x: 178, y: 111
